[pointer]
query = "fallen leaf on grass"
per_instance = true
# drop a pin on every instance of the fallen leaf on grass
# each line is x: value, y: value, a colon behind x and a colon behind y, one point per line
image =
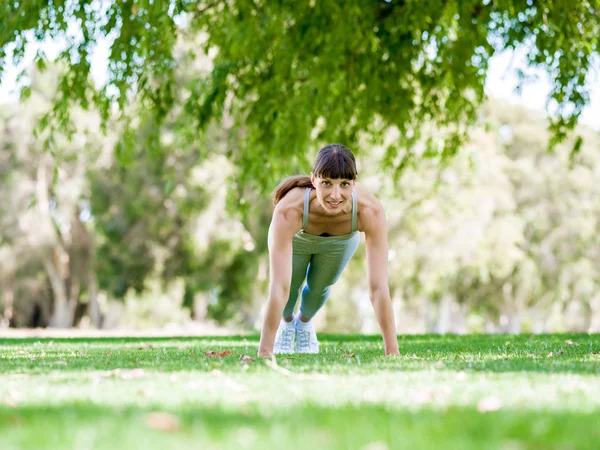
x: 14, y: 420
x: 560, y: 352
x: 488, y: 404
x: 162, y: 421
x: 571, y: 343
x: 349, y: 355
x: 222, y: 354
x: 246, y: 358
x: 146, y: 346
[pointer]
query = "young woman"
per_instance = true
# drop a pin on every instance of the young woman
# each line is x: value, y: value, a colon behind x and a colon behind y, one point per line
x: 313, y: 235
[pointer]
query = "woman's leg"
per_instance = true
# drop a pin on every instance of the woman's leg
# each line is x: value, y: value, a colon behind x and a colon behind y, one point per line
x: 300, y: 264
x: 324, y: 270
x: 302, y: 252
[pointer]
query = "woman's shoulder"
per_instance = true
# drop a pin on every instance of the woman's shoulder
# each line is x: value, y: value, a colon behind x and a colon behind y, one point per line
x: 371, y: 215
x: 291, y: 206
x: 367, y: 202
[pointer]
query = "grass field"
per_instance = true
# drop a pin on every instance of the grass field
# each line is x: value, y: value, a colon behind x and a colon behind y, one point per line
x: 444, y: 392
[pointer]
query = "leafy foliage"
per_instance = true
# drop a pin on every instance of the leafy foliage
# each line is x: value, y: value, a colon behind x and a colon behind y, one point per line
x: 293, y: 75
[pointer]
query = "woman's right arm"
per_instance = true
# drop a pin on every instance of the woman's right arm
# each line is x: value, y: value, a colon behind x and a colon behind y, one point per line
x: 283, y: 227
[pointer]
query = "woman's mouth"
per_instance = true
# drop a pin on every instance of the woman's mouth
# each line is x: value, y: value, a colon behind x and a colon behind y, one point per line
x: 334, y: 204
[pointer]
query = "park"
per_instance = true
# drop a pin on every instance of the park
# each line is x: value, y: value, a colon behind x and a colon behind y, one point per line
x: 275, y: 224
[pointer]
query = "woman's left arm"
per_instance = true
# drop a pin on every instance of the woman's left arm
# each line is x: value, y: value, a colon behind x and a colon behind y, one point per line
x: 375, y: 229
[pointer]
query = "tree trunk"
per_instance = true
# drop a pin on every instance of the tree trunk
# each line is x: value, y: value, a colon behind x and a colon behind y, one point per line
x: 62, y: 316
x: 428, y: 312
x: 93, y: 306
x: 444, y: 322
x: 510, y: 319
x: 56, y: 256
x: 459, y: 318
x: 200, y: 306
x: 8, y: 295
x: 595, y: 314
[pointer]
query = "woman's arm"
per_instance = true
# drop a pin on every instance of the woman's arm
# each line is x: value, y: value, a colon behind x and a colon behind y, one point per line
x: 283, y: 227
x: 375, y: 229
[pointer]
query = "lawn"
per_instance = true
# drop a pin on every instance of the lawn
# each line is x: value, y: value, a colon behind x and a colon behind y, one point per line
x: 444, y: 392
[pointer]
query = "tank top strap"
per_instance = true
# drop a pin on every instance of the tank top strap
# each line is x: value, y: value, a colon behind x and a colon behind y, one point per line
x: 306, y: 202
x: 354, y: 213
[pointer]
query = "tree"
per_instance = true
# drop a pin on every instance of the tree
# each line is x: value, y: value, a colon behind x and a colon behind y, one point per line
x: 42, y: 219
x: 105, y: 227
x: 291, y: 75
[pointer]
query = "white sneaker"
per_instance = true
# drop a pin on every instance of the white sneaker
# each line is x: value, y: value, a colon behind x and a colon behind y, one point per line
x: 284, y: 339
x: 306, y: 338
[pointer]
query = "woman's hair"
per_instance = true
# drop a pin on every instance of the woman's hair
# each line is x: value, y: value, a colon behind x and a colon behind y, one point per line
x: 335, y: 161
x: 288, y: 184
x: 332, y: 161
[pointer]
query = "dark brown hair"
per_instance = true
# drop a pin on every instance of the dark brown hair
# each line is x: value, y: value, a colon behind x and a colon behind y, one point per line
x: 332, y: 161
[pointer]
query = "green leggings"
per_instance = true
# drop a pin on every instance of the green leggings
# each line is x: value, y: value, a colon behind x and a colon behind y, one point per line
x: 320, y: 261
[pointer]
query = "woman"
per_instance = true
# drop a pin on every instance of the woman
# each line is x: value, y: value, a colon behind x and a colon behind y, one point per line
x: 313, y: 235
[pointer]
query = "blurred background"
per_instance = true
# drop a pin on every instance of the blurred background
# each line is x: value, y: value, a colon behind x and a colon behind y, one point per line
x: 100, y: 230
x: 503, y: 239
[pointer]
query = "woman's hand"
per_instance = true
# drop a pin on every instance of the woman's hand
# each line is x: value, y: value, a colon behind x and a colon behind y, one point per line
x: 393, y: 352
x: 377, y: 261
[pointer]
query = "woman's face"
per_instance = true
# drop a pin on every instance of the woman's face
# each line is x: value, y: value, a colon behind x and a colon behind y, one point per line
x: 333, y: 193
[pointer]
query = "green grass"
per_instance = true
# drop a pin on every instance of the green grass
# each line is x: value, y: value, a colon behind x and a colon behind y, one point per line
x: 444, y: 392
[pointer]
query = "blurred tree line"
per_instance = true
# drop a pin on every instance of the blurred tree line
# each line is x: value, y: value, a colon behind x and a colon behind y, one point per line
x: 151, y: 191
x: 501, y: 238
x: 80, y: 228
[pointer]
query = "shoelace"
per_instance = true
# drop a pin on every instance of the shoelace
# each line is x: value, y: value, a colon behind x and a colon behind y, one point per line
x: 303, y: 337
x: 287, y: 336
